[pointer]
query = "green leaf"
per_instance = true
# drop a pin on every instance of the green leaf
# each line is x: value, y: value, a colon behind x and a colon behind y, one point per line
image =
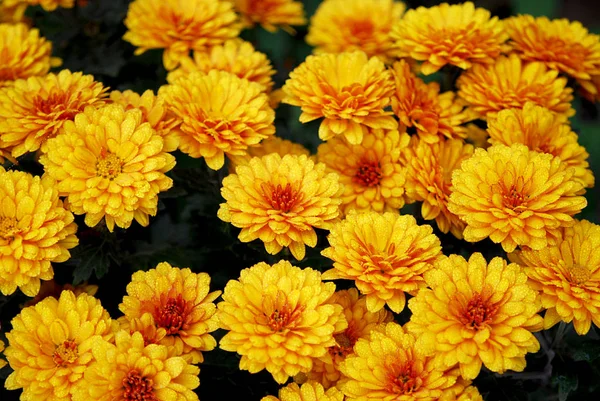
x: 537, y: 8
x: 566, y: 385
x: 587, y: 351
x: 89, y: 259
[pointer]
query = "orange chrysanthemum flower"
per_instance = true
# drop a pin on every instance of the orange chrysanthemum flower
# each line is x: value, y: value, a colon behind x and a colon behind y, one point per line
x: 219, y: 114
x: 348, y: 89
x: 48, y: 5
x: 180, y: 302
x: 310, y: 391
x: 361, y: 323
x: 474, y: 313
x: 568, y: 276
x: 12, y: 13
x: 24, y: 53
x: 52, y: 289
x: 542, y: 131
x: 35, y: 231
x: 510, y: 83
x: 515, y: 196
x: 459, y: 34
x: 235, y: 56
x: 560, y: 44
x: 281, y: 200
x: 371, y: 173
x: 435, y: 116
x: 130, y: 370
x: 429, y: 179
x: 35, y: 110
x: 388, y: 366
x: 385, y: 254
x: 272, y: 144
x: 154, y: 111
x: 179, y: 26
x: 347, y: 25
x: 271, y: 14
x: 278, y: 318
x: 50, y: 345
x: 109, y: 165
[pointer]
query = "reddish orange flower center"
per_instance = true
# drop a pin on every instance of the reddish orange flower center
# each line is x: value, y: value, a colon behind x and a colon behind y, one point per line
x: 279, y: 197
x: 361, y: 29
x: 513, y: 197
x: 108, y: 165
x: 345, y: 342
x: 368, y: 174
x: 403, y: 378
x: 65, y: 353
x: 8, y: 227
x: 171, y: 315
x: 478, y: 312
x: 137, y: 387
x: 57, y: 103
x: 282, y: 317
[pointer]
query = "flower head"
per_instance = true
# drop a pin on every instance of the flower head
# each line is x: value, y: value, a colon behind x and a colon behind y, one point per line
x: 309, y: 391
x: 35, y: 109
x: 48, y: 5
x: 24, y: 53
x: 12, y: 12
x: 50, y: 345
x: 560, y: 44
x: 179, y: 26
x: 567, y: 275
x: 429, y: 179
x: 347, y: 25
x: 35, y: 231
x: 542, y: 131
x: 515, y: 196
x: 271, y: 14
x: 179, y: 302
x: 235, y: 56
x: 278, y: 318
x: 281, y: 200
x: 474, y: 313
x: 348, y: 89
x: 109, y: 165
x: 131, y: 370
x: 371, y: 173
x: 385, y: 254
x: 2, y: 361
x: 435, y: 116
x: 272, y: 144
x: 459, y: 34
x: 510, y: 83
x: 388, y: 366
x: 219, y: 114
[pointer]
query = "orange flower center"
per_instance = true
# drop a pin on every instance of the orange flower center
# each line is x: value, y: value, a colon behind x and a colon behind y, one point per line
x: 368, y: 174
x: 7, y: 74
x: 281, y: 198
x: 345, y: 342
x: 108, y: 165
x: 172, y: 315
x: 478, y: 312
x: 361, y: 30
x: 65, y: 353
x: 137, y: 387
x: 513, y: 197
x: 403, y: 378
x: 8, y: 227
x: 57, y: 103
x: 578, y: 274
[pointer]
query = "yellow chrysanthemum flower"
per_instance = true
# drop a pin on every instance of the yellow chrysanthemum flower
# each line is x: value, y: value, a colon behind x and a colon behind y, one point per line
x: 2, y: 361
x: 361, y: 323
x: 474, y: 313
x: 281, y: 200
x: 154, y: 111
x: 220, y: 114
x: 272, y: 144
x: 12, y: 13
x: 429, y: 179
x: 310, y: 391
x: 131, y: 370
x: 385, y: 254
x: 435, y: 116
x: 50, y: 345
x: 278, y: 318
x: 179, y: 26
x: 48, y: 5
x: 35, y: 231
x: 51, y: 288
x: 24, y: 53
x: 348, y: 89
x: 109, y: 165
x: 235, y: 56
x: 371, y: 173
x: 151, y: 333
x: 542, y: 131
x: 510, y: 83
x: 515, y: 196
x: 568, y: 276
x: 179, y: 302
x: 388, y: 366
x: 347, y: 25
x: 459, y: 34
x: 271, y: 14
x: 560, y: 44
x: 35, y: 110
